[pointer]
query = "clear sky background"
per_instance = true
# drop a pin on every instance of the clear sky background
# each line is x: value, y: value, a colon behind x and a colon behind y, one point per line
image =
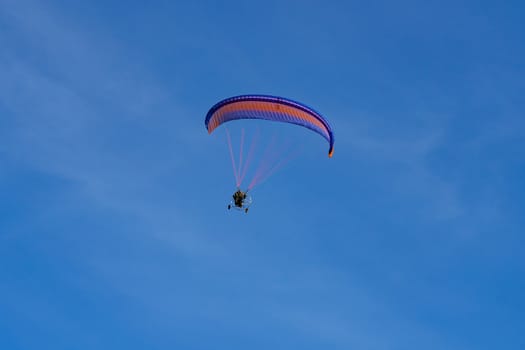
x: 114, y: 232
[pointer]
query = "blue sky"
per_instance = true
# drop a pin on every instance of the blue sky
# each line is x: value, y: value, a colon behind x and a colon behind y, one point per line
x: 114, y: 232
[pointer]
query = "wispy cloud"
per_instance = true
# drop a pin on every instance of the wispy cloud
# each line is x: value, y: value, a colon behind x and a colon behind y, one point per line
x: 87, y: 114
x: 79, y: 108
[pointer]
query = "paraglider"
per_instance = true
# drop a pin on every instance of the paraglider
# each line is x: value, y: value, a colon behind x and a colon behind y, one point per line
x: 241, y: 201
x: 263, y: 107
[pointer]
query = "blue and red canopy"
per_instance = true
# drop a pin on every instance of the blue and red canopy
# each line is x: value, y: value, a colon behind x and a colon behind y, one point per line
x: 272, y: 108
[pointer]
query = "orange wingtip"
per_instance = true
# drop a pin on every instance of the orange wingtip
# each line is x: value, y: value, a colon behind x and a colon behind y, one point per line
x: 331, y: 153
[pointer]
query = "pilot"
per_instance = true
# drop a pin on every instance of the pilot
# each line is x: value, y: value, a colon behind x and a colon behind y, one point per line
x: 238, y: 198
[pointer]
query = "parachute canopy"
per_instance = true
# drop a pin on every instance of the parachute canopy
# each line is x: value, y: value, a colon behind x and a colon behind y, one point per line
x: 269, y: 108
